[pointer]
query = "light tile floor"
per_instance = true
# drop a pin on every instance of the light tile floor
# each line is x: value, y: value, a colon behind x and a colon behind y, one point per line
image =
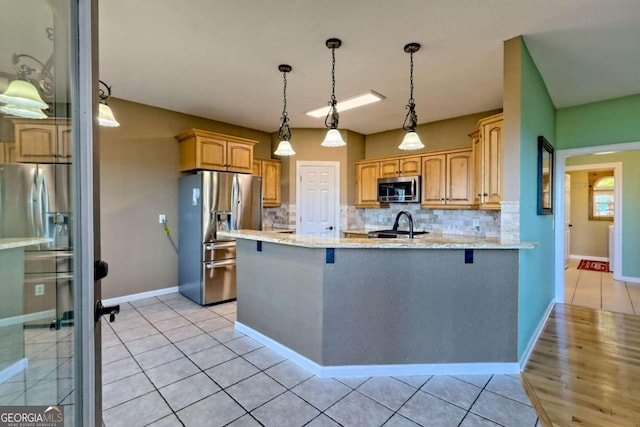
x: 170, y: 362
x: 599, y: 291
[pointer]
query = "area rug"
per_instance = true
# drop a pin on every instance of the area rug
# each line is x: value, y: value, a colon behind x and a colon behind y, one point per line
x: 586, y: 264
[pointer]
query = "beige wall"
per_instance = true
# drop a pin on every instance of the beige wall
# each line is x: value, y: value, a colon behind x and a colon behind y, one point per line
x: 588, y: 238
x: 440, y: 135
x: 306, y: 144
x: 139, y: 180
x: 512, y: 100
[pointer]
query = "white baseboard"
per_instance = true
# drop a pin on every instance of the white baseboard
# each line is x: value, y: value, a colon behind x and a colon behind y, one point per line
x: 590, y: 257
x: 13, y: 369
x: 628, y: 279
x: 379, y: 370
x: 141, y: 295
x: 534, y: 338
x: 19, y: 320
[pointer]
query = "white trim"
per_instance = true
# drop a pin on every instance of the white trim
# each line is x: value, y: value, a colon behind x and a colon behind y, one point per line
x: 141, y: 295
x: 14, y: 369
x: 589, y: 257
x: 534, y: 338
x: 379, y: 370
x: 627, y: 279
x: 22, y: 319
x: 560, y: 162
x: 338, y: 180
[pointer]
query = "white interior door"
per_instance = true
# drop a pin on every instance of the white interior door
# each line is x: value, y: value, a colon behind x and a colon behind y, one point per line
x: 318, y: 199
x: 567, y: 219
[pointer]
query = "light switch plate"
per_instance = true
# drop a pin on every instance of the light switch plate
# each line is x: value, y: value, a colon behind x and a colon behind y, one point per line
x: 39, y: 289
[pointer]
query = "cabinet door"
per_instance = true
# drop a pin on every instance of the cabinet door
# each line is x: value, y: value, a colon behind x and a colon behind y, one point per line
x: 367, y: 184
x: 460, y: 178
x: 492, y: 135
x: 36, y: 143
x: 433, y: 180
x: 239, y: 157
x: 257, y: 167
x: 271, y: 171
x: 5, y: 152
x: 389, y: 168
x: 478, y: 168
x: 411, y: 166
x: 64, y: 147
x: 213, y: 154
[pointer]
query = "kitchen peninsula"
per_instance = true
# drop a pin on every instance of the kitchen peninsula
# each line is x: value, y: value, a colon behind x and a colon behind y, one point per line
x: 363, y: 307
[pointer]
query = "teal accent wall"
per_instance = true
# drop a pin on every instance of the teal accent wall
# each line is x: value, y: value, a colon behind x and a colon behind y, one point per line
x: 630, y: 203
x: 536, y: 274
x: 599, y: 123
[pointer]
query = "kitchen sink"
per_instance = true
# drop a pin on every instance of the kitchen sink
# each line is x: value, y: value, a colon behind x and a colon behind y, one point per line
x: 392, y: 234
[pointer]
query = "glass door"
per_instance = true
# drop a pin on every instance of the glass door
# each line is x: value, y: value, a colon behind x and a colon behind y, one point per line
x: 48, y: 331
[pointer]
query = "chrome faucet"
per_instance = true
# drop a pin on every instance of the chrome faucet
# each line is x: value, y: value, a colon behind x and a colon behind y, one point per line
x: 409, y: 217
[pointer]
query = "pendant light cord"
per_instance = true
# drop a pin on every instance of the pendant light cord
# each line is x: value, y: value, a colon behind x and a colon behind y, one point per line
x: 411, y: 100
x: 284, y: 109
x: 411, y: 119
x: 331, y: 121
x: 284, y: 133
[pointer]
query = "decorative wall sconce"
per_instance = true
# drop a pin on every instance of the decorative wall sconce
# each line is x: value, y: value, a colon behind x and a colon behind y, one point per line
x: 284, y: 133
x: 333, y: 137
x: 411, y: 139
x: 105, y: 115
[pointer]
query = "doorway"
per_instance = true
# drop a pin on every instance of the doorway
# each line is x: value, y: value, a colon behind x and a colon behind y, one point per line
x: 318, y: 198
x: 560, y: 231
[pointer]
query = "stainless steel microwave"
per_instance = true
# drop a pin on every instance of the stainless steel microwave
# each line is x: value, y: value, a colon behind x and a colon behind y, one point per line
x: 401, y: 189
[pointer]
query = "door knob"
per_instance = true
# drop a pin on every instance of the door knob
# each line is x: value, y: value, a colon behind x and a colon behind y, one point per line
x: 111, y: 310
x: 100, y: 269
x: 329, y: 227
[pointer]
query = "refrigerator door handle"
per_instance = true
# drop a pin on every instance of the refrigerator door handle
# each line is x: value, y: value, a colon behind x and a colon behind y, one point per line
x: 32, y: 207
x: 236, y: 207
x: 43, y: 204
x: 212, y: 246
x: 217, y: 264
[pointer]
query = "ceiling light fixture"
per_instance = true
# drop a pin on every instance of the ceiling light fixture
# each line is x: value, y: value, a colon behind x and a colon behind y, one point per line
x: 411, y: 139
x: 284, y: 133
x: 333, y: 137
x: 105, y: 115
x: 347, y: 104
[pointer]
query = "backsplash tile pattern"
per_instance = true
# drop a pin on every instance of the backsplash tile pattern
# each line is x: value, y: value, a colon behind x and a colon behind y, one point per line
x: 510, y: 220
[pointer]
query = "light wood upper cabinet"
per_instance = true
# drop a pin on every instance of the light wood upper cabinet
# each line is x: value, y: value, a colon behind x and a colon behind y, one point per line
x: 367, y: 174
x: 213, y: 151
x: 488, y: 145
x: 257, y: 167
x: 447, y: 180
x: 271, y: 172
x: 7, y: 151
x: 405, y: 166
x: 43, y: 140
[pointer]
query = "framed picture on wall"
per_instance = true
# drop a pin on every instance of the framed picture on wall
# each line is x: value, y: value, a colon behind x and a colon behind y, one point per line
x: 545, y: 177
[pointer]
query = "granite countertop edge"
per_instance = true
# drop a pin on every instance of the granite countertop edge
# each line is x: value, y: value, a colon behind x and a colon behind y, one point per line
x: 19, y: 242
x: 435, y: 241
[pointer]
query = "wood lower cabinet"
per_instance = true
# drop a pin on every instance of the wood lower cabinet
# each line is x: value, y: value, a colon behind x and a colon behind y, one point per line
x: 367, y: 174
x: 488, y: 145
x: 447, y: 180
x: 7, y: 151
x: 213, y: 151
x: 271, y: 172
x: 406, y: 166
x: 43, y: 140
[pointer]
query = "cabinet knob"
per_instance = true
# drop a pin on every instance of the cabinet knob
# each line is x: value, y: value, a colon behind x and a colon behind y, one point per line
x: 485, y: 194
x: 442, y: 199
x: 479, y: 195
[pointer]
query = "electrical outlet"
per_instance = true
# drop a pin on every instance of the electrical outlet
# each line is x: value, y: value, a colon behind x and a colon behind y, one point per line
x: 476, y: 222
x: 39, y: 289
x: 162, y: 219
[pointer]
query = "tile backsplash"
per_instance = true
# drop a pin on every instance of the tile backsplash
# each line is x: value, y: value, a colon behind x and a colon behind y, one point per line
x: 448, y: 221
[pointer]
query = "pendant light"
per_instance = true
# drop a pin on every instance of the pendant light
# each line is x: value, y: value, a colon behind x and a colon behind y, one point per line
x: 333, y: 137
x: 23, y: 100
x: 105, y: 115
x: 284, y: 133
x: 411, y: 139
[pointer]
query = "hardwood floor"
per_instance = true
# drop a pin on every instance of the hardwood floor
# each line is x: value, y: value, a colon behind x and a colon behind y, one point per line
x: 585, y: 369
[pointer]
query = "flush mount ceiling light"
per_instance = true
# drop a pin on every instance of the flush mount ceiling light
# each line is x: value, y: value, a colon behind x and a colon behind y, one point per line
x: 333, y: 137
x: 284, y: 133
x: 22, y: 97
x: 105, y: 115
x: 347, y: 104
x: 411, y: 139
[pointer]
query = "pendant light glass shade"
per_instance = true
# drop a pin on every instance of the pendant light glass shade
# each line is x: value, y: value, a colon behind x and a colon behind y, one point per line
x: 18, y: 111
x: 21, y: 93
x: 333, y: 139
x: 411, y: 141
x: 105, y: 116
x: 284, y: 149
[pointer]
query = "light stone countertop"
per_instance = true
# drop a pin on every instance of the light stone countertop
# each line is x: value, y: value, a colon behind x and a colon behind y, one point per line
x: 19, y: 242
x: 425, y: 241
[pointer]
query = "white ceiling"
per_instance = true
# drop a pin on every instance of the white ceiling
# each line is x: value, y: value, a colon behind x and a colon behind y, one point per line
x: 218, y: 59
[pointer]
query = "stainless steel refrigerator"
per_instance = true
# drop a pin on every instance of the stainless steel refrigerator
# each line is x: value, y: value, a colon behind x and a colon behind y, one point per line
x: 35, y: 201
x: 208, y: 202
